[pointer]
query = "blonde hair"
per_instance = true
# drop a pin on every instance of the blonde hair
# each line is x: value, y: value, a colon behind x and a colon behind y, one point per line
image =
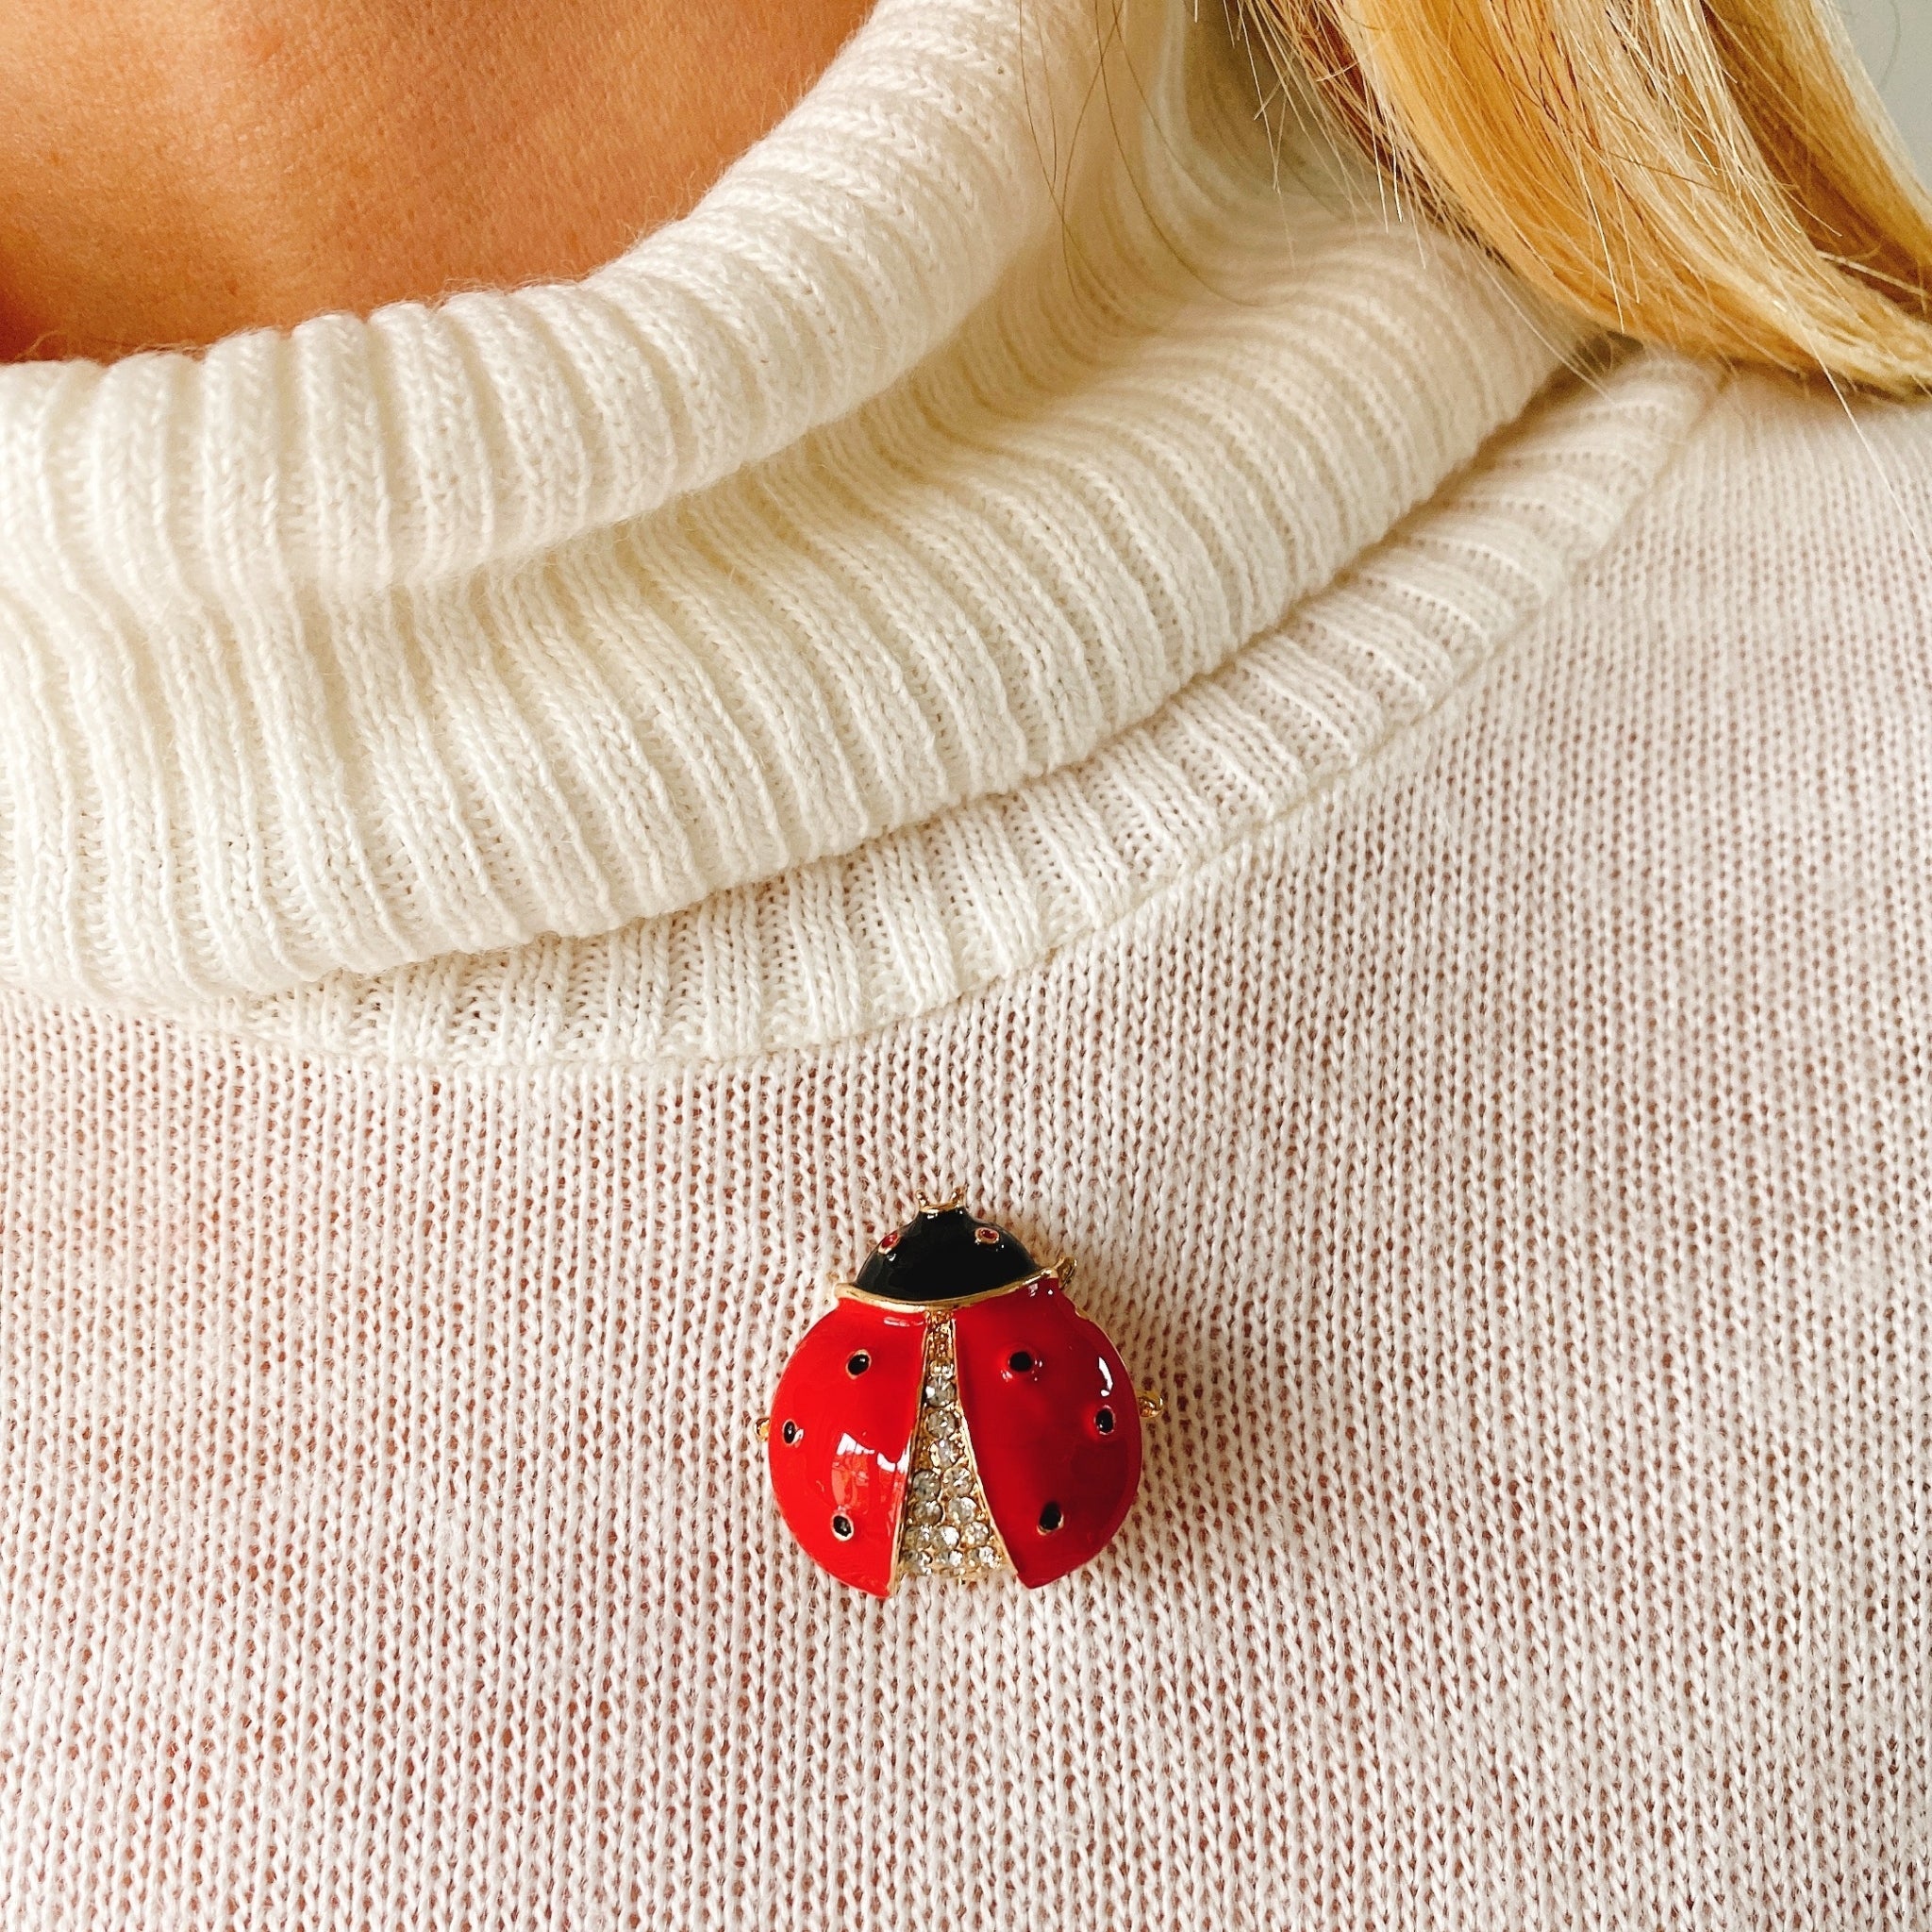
x: 1714, y: 175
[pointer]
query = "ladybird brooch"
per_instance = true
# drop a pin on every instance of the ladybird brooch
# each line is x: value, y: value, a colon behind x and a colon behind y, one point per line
x: 954, y: 1415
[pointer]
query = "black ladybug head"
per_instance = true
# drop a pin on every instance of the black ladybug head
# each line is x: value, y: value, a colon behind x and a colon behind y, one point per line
x: 943, y: 1254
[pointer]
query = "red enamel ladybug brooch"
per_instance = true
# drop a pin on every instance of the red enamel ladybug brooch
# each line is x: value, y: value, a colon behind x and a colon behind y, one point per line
x: 954, y: 1415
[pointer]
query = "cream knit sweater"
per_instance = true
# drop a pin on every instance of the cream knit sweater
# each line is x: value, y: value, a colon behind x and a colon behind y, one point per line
x: 1022, y: 646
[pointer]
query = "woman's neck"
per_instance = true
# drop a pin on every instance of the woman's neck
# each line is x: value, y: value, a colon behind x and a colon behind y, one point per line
x: 172, y: 170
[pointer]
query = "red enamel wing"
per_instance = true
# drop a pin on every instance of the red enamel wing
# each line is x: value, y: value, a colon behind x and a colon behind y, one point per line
x: 954, y: 1415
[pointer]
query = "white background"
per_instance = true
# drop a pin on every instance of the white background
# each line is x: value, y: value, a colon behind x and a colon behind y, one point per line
x: 1895, y: 37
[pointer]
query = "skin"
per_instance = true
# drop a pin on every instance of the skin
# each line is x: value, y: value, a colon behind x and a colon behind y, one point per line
x: 172, y: 170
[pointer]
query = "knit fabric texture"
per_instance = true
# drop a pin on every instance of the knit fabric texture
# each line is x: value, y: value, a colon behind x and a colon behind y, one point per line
x: 1082, y: 670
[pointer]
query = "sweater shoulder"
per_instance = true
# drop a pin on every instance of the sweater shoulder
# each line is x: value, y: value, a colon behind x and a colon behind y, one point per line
x: 1789, y: 520
x: 1793, y: 488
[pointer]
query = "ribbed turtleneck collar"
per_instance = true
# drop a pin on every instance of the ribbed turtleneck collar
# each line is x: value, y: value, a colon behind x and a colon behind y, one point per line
x: 1003, y: 391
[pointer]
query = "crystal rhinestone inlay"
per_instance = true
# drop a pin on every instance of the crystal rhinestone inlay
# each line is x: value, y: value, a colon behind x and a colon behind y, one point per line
x: 948, y: 1531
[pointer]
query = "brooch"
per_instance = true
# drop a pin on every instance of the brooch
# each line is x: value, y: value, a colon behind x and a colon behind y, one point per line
x: 954, y: 1415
